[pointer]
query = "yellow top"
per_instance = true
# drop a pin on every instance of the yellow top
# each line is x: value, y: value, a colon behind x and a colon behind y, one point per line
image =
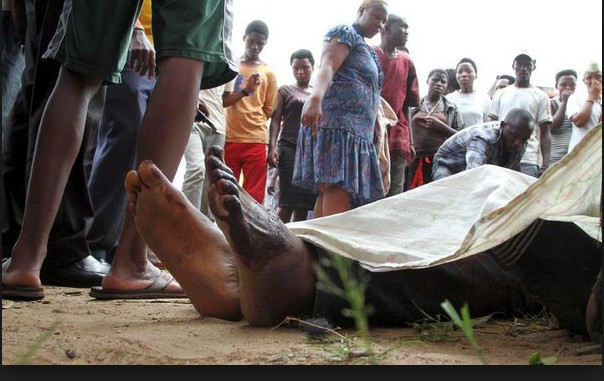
x: 145, y: 19
x: 247, y: 119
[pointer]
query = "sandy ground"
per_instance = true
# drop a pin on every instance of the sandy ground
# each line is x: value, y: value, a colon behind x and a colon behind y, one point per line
x: 70, y: 327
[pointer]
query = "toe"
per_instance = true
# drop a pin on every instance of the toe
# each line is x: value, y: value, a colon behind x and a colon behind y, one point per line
x: 150, y: 175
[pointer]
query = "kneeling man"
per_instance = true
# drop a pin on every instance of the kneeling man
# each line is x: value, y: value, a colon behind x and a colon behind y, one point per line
x: 499, y: 143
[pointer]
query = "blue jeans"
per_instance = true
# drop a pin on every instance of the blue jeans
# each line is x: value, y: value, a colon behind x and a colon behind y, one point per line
x: 13, y: 63
x: 115, y: 156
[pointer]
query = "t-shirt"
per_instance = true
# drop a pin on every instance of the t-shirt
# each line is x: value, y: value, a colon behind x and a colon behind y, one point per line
x: 247, y: 119
x: 293, y: 102
x: 473, y: 107
x: 532, y: 99
x: 145, y: 19
x: 573, y: 106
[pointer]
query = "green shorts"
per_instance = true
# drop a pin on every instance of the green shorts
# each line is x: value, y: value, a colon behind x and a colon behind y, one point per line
x: 93, y: 36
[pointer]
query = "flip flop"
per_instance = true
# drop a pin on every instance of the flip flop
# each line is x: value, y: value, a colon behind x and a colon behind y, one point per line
x: 156, y: 290
x: 20, y: 292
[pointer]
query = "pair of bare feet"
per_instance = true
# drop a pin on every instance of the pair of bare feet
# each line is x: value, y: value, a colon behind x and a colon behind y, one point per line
x: 248, y: 264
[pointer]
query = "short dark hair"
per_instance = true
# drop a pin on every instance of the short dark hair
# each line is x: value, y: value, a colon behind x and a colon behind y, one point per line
x: 565, y: 72
x: 470, y: 61
x: 394, y: 19
x: 520, y: 116
x: 257, y: 26
x: 510, y: 79
x: 439, y: 71
x: 302, y: 54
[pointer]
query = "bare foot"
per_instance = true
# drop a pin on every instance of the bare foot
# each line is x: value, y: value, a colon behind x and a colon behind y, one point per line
x: 191, y: 246
x: 275, y: 266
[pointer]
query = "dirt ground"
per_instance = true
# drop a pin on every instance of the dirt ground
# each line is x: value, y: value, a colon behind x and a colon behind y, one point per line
x: 70, y: 327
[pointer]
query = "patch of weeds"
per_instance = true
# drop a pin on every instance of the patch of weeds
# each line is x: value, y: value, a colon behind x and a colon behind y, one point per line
x: 526, y: 324
x: 536, y: 359
x: 25, y: 357
x: 465, y: 324
x: 352, y: 290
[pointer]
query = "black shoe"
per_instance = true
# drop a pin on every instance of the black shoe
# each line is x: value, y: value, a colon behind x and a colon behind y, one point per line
x: 87, y: 272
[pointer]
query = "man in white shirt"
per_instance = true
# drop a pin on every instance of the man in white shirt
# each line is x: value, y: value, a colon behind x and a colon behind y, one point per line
x: 523, y: 94
x: 585, y: 109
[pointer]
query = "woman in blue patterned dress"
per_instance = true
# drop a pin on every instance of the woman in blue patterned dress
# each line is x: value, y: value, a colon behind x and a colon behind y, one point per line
x: 335, y: 154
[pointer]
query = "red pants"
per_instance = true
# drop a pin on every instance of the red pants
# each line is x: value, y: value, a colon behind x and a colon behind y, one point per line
x: 251, y: 159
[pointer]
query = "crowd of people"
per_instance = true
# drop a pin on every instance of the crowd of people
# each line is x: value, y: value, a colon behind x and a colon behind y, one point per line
x: 88, y: 114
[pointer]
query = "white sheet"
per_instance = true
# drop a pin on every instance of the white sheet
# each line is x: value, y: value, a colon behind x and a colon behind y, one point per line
x: 464, y: 214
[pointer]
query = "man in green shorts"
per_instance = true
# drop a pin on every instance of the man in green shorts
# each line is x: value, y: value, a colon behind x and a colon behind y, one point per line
x: 192, y: 42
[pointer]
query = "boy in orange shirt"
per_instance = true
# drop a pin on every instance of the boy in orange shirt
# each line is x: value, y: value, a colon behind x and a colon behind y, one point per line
x: 249, y: 101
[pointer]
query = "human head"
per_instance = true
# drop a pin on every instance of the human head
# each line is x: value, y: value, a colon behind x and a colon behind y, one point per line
x: 593, y: 73
x: 395, y: 32
x: 566, y: 82
x: 302, y: 63
x: 504, y: 80
x: 255, y: 38
x: 452, y: 84
x: 466, y: 74
x: 371, y: 17
x: 517, y: 129
x: 437, y: 82
x: 523, y: 66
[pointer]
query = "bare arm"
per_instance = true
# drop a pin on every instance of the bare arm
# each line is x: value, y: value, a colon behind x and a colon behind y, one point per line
x: 559, y: 114
x: 142, y: 53
x: 334, y: 54
x: 581, y: 118
x: 229, y: 99
x: 545, y: 142
x: 274, y: 129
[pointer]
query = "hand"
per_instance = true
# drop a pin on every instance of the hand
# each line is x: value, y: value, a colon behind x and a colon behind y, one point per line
x: 413, y: 153
x: 202, y: 108
x: 565, y: 94
x: 273, y: 157
x: 253, y: 82
x: 431, y: 122
x: 595, y: 90
x: 312, y: 114
x: 142, y: 54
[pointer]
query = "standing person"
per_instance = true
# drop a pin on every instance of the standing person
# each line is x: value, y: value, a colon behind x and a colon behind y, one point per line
x: 209, y: 129
x: 13, y: 55
x: 68, y: 260
x: 585, y: 110
x: 561, y: 129
x: 452, y: 84
x: 249, y: 101
x: 335, y: 154
x: 473, y: 106
x: 524, y: 95
x: 432, y: 122
x: 294, y: 203
x: 497, y: 143
x: 115, y: 154
x: 191, y: 51
x: 401, y: 91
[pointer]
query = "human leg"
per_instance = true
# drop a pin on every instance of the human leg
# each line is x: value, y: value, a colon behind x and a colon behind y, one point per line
x: 192, y: 247
x: 13, y: 63
x: 276, y: 277
x: 398, y: 165
x: 173, y: 104
x: 334, y: 200
x: 57, y: 147
x: 115, y: 156
x: 194, y: 167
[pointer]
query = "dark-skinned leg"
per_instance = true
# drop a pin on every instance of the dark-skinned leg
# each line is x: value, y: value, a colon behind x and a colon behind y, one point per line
x: 276, y: 277
x: 163, y: 136
x: 59, y: 140
x: 191, y: 246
